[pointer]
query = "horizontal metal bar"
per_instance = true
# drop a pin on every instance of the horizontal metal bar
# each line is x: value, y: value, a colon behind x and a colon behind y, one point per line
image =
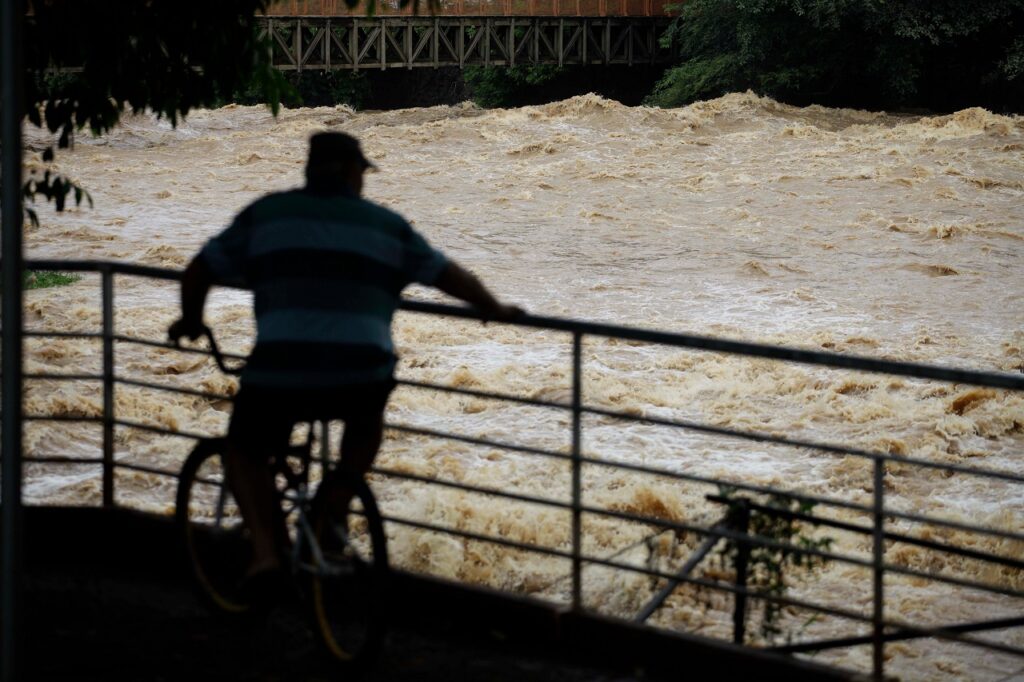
x: 835, y: 360
x: 147, y: 470
x: 472, y: 488
x: 958, y: 551
x: 959, y: 582
x: 719, y: 531
x: 172, y: 389
x: 476, y: 441
x: 158, y: 429
x: 484, y: 394
x: 170, y: 346
x: 62, y: 335
x: 955, y: 525
x: 62, y: 460
x: 731, y: 588
x: 60, y: 418
x: 845, y: 642
x: 45, y: 376
x: 799, y: 516
x: 526, y: 547
x: 116, y: 267
x: 742, y: 538
x: 952, y: 636
x: 760, y: 541
x: 749, y: 487
x: 753, y: 540
x: 811, y: 445
x: 888, y: 535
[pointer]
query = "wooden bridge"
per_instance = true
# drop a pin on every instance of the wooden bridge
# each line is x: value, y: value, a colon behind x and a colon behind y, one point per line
x: 325, y: 35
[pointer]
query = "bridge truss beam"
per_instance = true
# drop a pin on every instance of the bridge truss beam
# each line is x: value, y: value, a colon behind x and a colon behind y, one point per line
x: 353, y: 43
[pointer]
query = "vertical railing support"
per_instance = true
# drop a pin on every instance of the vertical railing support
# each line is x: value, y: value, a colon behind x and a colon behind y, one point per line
x: 107, y: 277
x: 878, y: 555
x: 11, y: 17
x: 577, y: 433
x: 741, y: 524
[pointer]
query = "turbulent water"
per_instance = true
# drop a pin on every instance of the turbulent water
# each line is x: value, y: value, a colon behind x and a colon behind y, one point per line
x: 858, y: 232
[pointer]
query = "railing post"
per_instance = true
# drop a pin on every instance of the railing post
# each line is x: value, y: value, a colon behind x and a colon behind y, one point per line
x: 741, y: 524
x: 107, y: 277
x: 11, y: 93
x: 878, y: 628
x: 577, y: 413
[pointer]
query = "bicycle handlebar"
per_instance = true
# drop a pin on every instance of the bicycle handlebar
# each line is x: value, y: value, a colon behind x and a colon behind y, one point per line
x: 215, y: 351
x: 218, y: 356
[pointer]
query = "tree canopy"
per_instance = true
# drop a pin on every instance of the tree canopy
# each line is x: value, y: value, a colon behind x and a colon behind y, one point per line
x: 89, y: 61
x: 938, y: 54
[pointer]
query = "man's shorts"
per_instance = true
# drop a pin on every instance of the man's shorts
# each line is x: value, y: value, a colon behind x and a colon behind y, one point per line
x: 263, y: 417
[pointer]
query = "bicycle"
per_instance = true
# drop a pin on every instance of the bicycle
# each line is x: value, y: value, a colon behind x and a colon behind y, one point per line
x: 338, y: 558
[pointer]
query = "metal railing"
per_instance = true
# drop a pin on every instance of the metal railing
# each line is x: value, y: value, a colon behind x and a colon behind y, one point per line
x: 731, y: 528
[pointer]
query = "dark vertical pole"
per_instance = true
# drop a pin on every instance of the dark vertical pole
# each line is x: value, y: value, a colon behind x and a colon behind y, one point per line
x: 11, y: 18
x: 108, y: 386
x: 577, y: 432
x: 328, y: 38
x: 741, y: 524
x: 353, y: 44
x: 878, y: 628
x: 408, y: 44
x: 560, y: 41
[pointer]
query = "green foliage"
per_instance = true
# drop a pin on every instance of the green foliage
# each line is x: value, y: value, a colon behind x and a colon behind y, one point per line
x: 167, y: 56
x: 892, y: 53
x: 768, y: 567
x: 505, y: 86
x: 38, y: 279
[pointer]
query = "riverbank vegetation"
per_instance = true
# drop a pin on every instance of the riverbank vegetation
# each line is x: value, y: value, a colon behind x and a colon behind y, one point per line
x: 898, y: 54
x: 45, y: 280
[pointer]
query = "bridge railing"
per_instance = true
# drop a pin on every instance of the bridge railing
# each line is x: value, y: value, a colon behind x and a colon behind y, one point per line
x: 872, y: 521
x: 467, y: 8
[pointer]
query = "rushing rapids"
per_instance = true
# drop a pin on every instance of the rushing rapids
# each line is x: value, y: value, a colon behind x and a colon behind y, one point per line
x: 868, y: 233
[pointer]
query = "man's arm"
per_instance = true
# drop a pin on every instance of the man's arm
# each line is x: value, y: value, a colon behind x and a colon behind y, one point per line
x: 195, y: 285
x: 456, y: 281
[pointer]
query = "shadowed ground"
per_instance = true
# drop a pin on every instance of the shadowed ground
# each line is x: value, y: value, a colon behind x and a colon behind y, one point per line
x: 106, y: 597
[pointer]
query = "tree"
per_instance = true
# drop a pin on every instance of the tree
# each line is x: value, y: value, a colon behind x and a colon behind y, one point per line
x: 878, y: 53
x: 89, y: 61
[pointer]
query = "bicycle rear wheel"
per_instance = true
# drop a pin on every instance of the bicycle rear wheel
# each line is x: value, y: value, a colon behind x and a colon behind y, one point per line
x: 210, y: 524
x: 347, y: 582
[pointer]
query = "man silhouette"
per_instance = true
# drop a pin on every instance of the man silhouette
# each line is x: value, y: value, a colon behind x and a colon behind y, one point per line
x: 327, y: 268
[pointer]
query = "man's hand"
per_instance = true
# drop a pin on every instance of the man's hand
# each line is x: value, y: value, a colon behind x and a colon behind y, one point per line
x: 503, y: 313
x: 189, y: 328
x: 456, y: 281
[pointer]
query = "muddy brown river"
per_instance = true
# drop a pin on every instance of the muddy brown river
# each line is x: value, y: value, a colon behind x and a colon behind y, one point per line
x: 868, y: 233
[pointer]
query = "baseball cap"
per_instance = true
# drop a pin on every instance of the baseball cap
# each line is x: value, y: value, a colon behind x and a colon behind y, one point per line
x: 329, y: 148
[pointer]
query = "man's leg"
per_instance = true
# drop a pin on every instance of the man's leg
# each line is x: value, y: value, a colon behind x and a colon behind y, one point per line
x: 359, y: 446
x: 252, y: 483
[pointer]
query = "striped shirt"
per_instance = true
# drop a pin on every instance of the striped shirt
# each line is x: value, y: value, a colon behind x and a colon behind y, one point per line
x: 327, y: 271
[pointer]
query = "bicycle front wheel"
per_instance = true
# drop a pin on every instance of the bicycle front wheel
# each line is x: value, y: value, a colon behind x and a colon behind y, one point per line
x: 348, y: 571
x: 210, y: 524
